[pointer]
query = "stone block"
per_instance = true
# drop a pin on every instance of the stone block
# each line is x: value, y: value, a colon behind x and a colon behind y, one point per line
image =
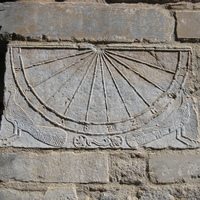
x: 40, y: 1
x: 50, y: 194
x: 55, y: 167
x: 190, y: 192
x: 108, y: 197
x: 86, y: 22
x: 197, y: 6
x: 127, y: 170
x: 176, y: 167
x: 81, y: 95
x: 188, y: 24
x: 155, y: 194
x: 180, y: 6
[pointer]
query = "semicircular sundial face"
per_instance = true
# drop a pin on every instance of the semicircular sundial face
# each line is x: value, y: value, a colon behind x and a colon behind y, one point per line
x: 99, y: 90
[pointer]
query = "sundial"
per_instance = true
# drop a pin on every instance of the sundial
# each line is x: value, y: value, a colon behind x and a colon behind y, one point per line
x: 85, y: 95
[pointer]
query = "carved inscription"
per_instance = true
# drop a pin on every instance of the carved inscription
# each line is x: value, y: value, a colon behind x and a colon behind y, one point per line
x: 100, y: 96
x: 110, y: 141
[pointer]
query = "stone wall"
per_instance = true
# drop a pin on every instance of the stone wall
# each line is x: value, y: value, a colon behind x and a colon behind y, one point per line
x: 132, y: 131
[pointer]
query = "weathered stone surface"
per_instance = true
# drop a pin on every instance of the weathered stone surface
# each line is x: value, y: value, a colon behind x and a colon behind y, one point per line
x: 46, y: 1
x: 191, y: 192
x: 180, y: 6
x: 188, y: 24
x: 18, y: 195
x: 155, y: 194
x: 113, y: 191
x: 149, y: 1
x: 55, y: 193
x: 108, y: 197
x: 176, y: 167
x: 55, y: 167
x: 197, y: 6
x: 127, y: 170
x: 86, y: 22
x: 41, y: 1
x: 2, y: 68
x: 80, y: 95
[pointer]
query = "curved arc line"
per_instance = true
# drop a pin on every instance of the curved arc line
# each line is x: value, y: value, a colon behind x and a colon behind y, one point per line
x: 29, y: 102
x: 149, y: 108
x: 69, y: 129
x: 53, y: 110
x: 178, y: 66
x: 35, y: 94
x: 71, y: 119
x: 189, y: 62
x: 57, y: 124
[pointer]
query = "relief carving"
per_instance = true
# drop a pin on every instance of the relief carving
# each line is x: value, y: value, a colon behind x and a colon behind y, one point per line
x: 174, y: 124
x: 103, y: 96
x: 110, y: 141
x: 22, y: 122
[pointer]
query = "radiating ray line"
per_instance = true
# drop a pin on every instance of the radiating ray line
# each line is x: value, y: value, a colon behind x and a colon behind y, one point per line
x: 115, y: 83
x: 154, y: 55
x: 62, y: 70
x: 140, y: 61
x: 136, y: 72
x: 55, y: 59
x: 127, y: 80
x: 104, y: 88
x: 67, y: 80
x: 92, y: 87
x: 89, y: 66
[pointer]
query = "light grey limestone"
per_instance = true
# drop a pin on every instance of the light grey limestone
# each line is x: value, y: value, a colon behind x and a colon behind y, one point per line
x: 86, y: 22
x: 188, y: 24
x: 185, y: 192
x: 80, y: 95
x: 55, y: 167
x: 65, y: 193
x: 156, y: 194
x: 61, y: 193
x: 176, y: 167
x: 7, y: 194
x: 106, y: 196
x: 127, y: 170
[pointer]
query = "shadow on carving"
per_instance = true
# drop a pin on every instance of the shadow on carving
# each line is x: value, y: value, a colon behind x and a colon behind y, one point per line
x: 2, y: 71
x: 8, y: 1
x: 146, y: 1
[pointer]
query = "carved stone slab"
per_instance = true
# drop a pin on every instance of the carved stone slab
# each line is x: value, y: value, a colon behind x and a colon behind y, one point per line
x: 103, y: 96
